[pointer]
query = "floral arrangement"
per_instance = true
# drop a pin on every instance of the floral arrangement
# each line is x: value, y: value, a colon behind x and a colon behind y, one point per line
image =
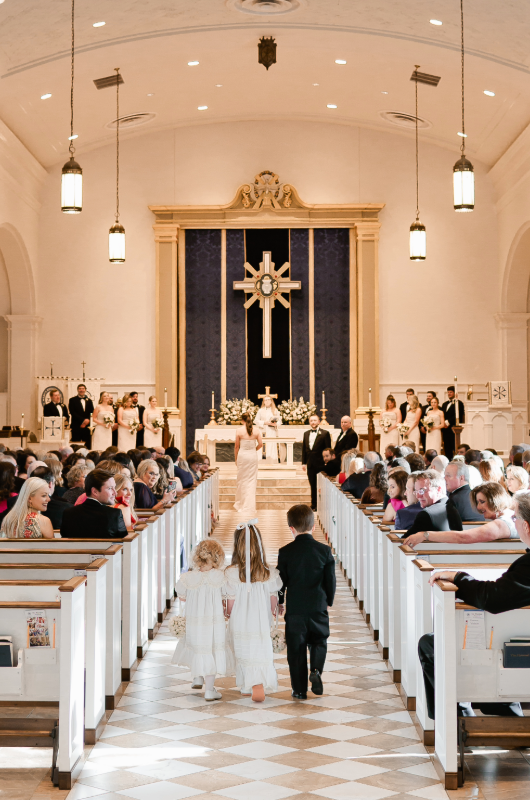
x: 177, y: 626
x: 428, y: 423
x: 277, y: 637
x: 386, y: 423
x: 109, y: 420
x: 158, y: 423
x: 296, y: 410
x: 133, y: 426
x: 403, y: 429
x: 233, y: 410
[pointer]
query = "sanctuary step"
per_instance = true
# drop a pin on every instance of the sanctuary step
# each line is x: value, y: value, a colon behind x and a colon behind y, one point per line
x: 272, y: 493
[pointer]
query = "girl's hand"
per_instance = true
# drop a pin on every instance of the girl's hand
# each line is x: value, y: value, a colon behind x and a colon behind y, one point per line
x: 444, y: 575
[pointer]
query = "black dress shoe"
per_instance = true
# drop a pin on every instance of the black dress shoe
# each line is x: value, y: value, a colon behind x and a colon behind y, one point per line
x: 316, y: 682
x: 299, y: 696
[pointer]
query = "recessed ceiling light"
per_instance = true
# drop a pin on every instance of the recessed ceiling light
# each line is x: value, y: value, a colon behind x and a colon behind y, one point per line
x: 98, y: 24
x: 384, y: 92
x: 316, y: 84
x: 150, y: 94
x: 45, y: 96
x: 435, y: 22
x: 75, y: 136
x: 464, y: 135
x: 332, y: 105
x: 490, y: 94
x: 218, y: 85
x: 193, y: 63
x: 202, y: 108
x: 340, y: 61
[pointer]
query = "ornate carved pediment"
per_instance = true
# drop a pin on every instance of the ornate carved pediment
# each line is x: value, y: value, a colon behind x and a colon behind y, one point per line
x: 267, y: 191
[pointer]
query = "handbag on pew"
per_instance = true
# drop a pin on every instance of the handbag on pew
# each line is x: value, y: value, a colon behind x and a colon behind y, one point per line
x: 277, y: 636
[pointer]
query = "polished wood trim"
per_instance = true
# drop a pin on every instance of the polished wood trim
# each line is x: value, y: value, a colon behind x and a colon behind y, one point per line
x: 30, y: 604
x: 31, y: 583
x: 73, y: 584
x: 110, y: 551
x: 129, y: 538
x: 40, y: 565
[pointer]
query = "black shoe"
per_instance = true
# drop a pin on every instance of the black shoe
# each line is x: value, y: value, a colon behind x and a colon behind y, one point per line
x: 299, y: 696
x: 316, y: 682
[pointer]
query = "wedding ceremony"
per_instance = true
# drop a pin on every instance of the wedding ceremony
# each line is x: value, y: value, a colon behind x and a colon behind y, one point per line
x: 264, y: 400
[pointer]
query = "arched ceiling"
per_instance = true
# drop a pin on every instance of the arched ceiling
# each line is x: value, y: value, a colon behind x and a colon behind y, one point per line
x: 153, y: 40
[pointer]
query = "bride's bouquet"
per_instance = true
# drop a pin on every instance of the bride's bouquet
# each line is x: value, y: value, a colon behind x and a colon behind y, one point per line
x: 403, y: 429
x: 109, y: 420
x: 133, y: 426
x: 158, y: 424
x: 232, y: 410
x: 386, y: 423
x: 428, y: 423
x: 296, y: 410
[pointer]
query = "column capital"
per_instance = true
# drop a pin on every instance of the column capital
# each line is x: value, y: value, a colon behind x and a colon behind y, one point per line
x: 22, y: 322
x: 166, y: 232
x: 367, y: 230
x: 511, y: 320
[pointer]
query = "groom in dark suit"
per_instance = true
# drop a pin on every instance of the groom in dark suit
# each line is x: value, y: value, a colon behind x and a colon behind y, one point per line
x: 81, y: 408
x: 315, y: 442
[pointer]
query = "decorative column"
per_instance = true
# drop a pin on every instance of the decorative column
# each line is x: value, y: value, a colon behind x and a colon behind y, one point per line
x: 21, y: 386
x: 167, y: 360
x: 367, y: 239
x: 513, y: 327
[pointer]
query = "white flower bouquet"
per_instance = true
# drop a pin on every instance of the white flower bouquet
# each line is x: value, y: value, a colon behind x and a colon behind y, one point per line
x: 109, y: 420
x: 297, y: 411
x: 428, y: 423
x: 177, y: 626
x: 403, y: 429
x: 277, y: 637
x: 133, y: 426
x: 158, y: 424
x: 386, y: 423
x: 232, y: 410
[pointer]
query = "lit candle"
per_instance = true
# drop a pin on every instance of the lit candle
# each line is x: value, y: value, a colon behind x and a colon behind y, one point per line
x: 457, y: 404
x: 213, y: 399
x: 369, y: 398
x: 165, y: 398
x: 22, y: 423
x: 323, y: 399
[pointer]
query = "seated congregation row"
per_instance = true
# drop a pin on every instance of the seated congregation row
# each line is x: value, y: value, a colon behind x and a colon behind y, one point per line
x: 89, y: 494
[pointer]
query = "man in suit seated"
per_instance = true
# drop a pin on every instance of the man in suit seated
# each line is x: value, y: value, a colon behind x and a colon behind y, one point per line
x: 55, y: 408
x: 358, y: 482
x: 405, y: 517
x: 347, y: 438
x: 435, y: 514
x: 511, y: 590
x: 314, y: 443
x: 457, y: 483
x: 56, y: 508
x: 331, y: 463
x: 95, y: 518
x: 81, y: 408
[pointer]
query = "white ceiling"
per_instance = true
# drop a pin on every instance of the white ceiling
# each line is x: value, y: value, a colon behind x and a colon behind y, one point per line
x: 152, y: 41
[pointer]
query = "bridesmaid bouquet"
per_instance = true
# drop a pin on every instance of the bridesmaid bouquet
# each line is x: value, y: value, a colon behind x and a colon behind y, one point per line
x: 133, y: 426
x: 428, y: 423
x: 109, y: 420
x: 177, y: 626
x: 158, y: 424
x: 385, y: 423
x: 403, y: 429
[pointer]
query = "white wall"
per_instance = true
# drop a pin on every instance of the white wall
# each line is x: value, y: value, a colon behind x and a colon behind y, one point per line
x: 436, y: 318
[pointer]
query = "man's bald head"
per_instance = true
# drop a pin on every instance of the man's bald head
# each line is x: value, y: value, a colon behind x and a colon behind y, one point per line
x: 345, y: 423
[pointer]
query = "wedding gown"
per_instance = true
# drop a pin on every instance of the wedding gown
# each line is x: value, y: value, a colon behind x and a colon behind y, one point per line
x: 393, y: 436
x: 126, y: 439
x: 102, y: 436
x: 413, y: 436
x: 153, y: 439
x: 247, y: 476
x: 434, y: 438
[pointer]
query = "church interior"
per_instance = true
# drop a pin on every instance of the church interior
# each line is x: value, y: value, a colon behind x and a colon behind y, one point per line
x: 308, y: 272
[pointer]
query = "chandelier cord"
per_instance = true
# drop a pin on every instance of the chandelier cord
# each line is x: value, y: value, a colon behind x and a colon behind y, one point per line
x: 463, y: 145
x: 417, y: 159
x: 71, y: 147
x: 117, y: 143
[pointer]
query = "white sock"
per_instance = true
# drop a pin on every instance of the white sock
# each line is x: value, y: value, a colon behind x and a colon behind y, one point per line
x: 209, y: 681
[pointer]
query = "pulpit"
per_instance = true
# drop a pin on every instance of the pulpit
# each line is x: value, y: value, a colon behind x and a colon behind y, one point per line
x: 54, y: 433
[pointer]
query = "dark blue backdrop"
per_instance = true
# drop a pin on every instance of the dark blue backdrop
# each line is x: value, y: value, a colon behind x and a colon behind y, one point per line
x: 300, y: 313
x: 236, y: 369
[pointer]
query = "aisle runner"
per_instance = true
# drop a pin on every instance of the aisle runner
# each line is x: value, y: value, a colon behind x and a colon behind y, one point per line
x: 357, y: 741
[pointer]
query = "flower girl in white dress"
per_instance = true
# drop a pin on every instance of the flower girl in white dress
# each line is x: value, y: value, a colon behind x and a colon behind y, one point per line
x: 203, y: 648
x: 252, y: 589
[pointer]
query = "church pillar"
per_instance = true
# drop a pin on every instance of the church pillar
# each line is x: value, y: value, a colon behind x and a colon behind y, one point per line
x: 21, y: 399
x: 514, y: 343
x: 367, y: 310
x: 167, y: 312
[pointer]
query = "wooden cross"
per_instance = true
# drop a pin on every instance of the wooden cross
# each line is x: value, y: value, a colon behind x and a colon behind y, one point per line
x: 267, y: 394
x: 83, y: 364
x: 267, y: 286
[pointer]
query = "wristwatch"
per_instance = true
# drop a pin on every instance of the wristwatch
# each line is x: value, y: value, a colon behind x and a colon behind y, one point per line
x: 426, y: 536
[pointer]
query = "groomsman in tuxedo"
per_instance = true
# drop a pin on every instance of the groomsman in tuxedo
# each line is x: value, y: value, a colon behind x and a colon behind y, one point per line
x: 55, y: 408
x: 449, y: 409
x: 424, y: 411
x: 347, y: 438
x: 141, y: 409
x: 81, y: 408
x: 405, y: 407
x: 315, y: 442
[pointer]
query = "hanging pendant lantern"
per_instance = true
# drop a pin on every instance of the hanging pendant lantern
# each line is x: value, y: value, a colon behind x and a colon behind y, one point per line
x: 463, y: 175
x: 418, y: 234
x: 72, y: 174
x: 117, y: 231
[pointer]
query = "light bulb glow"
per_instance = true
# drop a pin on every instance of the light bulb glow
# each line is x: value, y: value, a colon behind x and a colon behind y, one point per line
x: 490, y: 94
x: 418, y: 242
x: 117, y: 244
x: 193, y: 63
x: 72, y: 188
x: 340, y: 61
x: 463, y: 135
x: 202, y: 108
x: 435, y: 22
x: 98, y: 24
x: 45, y: 96
x: 74, y: 136
x: 331, y: 105
x: 464, y: 191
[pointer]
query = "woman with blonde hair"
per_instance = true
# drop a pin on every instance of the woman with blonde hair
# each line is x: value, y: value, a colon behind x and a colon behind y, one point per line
x: 203, y: 648
x: 152, y: 431
x: 147, y: 476
x: 25, y: 520
x: 55, y: 467
x: 346, y: 459
x: 491, y: 472
x: 516, y: 479
x: 127, y: 417
x: 103, y: 420
x: 389, y: 421
x: 252, y: 588
x: 413, y: 420
x: 125, y: 500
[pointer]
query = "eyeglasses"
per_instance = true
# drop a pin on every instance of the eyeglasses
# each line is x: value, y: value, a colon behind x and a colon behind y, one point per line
x: 421, y: 492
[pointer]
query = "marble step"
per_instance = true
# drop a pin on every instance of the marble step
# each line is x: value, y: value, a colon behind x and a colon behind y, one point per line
x: 266, y: 482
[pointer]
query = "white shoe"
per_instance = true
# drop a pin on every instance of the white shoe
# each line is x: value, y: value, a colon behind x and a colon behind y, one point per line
x: 197, y: 683
x: 212, y: 694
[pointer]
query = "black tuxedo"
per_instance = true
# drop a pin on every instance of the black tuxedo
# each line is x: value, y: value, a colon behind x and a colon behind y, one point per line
x: 423, y: 436
x: 55, y: 511
x: 460, y: 500
x: 332, y: 468
x: 345, y: 441
x: 140, y: 434
x: 312, y: 457
x: 78, y: 415
x: 449, y: 409
x: 93, y: 520
x: 441, y: 516
x: 404, y: 408
x: 357, y: 483
x: 50, y: 410
x: 307, y: 570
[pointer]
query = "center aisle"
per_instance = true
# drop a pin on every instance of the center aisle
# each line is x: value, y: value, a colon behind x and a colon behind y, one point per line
x: 165, y: 742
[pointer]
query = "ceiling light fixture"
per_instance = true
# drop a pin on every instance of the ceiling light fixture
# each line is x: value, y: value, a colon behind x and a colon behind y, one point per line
x: 490, y: 94
x: 340, y: 61
x: 384, y: 92
x: 117, y: 231
x: 150, y: 94
x: 463, y: 175
x: 202, y: 108
x: 331, y: 105
x: 72, y: 174
x: 73, y: 136
x: 435, y: 22
x: 267, y: 51
x: 218, y: 85
x: 45, y: 96
x: 98, y: 24
x: 193, y: 63
x: 418, y: 234
x: 463, y: 135
x: 316, y: 84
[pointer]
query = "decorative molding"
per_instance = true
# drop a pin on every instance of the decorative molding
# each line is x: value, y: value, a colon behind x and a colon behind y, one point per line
x: 511, y: 320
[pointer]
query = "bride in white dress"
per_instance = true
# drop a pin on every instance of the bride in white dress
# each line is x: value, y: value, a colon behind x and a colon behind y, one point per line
x: 126, y: 414
x: 152, y: 435
x: 102, y: 436
x: 413, y: 420
x: 433, y: 440
x: 248, y: 441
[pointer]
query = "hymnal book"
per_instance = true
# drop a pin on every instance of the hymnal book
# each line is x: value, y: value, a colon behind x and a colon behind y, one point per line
x: 6, y: 651
x: 517, y: 655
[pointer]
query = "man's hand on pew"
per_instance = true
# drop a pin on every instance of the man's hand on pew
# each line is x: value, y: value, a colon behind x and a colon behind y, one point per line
x: 444, y: 575
x: 416, y: 538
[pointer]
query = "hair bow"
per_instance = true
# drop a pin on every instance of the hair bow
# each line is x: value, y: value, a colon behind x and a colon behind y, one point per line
x: 246, y: 526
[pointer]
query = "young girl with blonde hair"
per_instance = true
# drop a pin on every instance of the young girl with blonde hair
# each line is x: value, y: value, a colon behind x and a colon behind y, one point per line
x: 203, y: 648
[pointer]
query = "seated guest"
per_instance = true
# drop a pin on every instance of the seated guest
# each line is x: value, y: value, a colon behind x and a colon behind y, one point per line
x: 125, y: 500
x: 24, y: 459
x: 378, y: 485
x: 526, y: 459
x: 462, y: 450
x: 147, y: 476
x: 54, y: 465
x: 331, y: 463
x: 511, y: 590
x: 162, y: 484
x: 71, y: 461
x: 346, y: 461
x: 8, y: 495
x: 401, y: 463
x: 194, y: 463
x: 516, y: 479
x: 356, y: 484
x: 457, y: 485
x: 56, y: 508
x: 491, y: 500
x: 347, y: 438
x: 405, y: 516
x: 517, y: 449
x: 25, y: 520
x: 76, y: 483
x: 167, y: 463
x: 491, y: 472
x: 389, y: 454
x: 435, y: 515
x: 410, y: 445
x: 185, y: 476
x: 472, y: 455
x: 65, y: 452
x: 397, y: 486
x: 33, y: 466
x: 96, y: 518
x: 205, y: 466
x: 416, y: 462
x: 429, y: 456
x: 439, y: 463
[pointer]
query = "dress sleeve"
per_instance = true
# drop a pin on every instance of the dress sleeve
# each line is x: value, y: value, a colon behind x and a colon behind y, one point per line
x: 181, y: 586
x: 232, y: 580
x: 275, y: 582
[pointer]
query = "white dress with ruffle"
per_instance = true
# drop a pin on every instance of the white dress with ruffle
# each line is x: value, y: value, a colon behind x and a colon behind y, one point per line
x: 203, y: 648
x: 249, y: 629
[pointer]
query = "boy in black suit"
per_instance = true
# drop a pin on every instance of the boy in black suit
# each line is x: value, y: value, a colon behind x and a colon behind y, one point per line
x: 307, y: 570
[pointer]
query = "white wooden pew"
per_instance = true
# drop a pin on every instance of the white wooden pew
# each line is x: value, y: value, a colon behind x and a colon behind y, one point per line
x: 49, y: 675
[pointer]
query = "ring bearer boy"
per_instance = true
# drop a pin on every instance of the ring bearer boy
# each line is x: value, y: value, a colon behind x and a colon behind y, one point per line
x: 307, y: 570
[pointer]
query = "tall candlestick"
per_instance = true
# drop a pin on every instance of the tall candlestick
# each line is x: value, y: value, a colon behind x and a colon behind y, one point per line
x: 22, y: 423
x: 457, y: 404
x: 369, y: 398
x: 213, y: 399
x: 165, y: 398
x: 323, y: 399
